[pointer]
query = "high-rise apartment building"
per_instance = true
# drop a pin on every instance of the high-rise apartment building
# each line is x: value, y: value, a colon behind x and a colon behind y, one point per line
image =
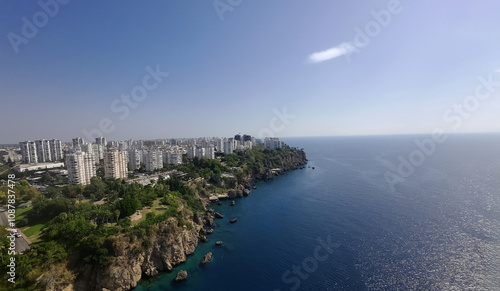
x: 219, y: 144
x: 135, y: 159
x: 200, y: 153
x: 81, y: 167
x: 175, y: 158
x: 191, y: 152
x: 98, y: 150
x: 153, y: 160
x: 77, y: 142
x: 210, y: 152
x: 87, y: 148
x: 273, y: 142
x: 56, y: 152
x: 43, y: 151
x: 101, y: 141
x: 229, y: 146
x: 28, y: 152
x: 115, y: 164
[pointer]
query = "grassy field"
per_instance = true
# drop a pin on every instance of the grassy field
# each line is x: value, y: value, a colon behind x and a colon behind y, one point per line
x: 157, y: 208
x: 22, y: 212
x: 32, y: 231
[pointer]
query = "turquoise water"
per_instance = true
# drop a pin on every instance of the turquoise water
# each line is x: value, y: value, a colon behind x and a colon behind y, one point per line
x: 341, y: 227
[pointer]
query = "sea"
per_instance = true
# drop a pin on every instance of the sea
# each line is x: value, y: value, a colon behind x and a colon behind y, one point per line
x: 407, y: 212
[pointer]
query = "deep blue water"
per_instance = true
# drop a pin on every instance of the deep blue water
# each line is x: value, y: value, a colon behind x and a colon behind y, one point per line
x: 437, y: 230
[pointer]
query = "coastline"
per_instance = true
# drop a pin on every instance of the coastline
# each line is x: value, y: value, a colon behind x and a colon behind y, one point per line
x: 223, y: 229
x: 168, y: 245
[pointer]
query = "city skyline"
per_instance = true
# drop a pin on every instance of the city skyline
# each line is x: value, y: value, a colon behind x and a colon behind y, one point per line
x: 179, y: 70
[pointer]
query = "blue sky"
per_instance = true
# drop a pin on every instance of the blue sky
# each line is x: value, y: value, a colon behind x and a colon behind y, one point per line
x: 230, y: 75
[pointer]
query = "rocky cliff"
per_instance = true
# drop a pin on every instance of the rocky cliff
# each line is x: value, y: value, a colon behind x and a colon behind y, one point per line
x: 170, y: 245
x: 291, y: 161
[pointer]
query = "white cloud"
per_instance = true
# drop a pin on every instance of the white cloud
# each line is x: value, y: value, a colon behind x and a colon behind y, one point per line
x: 334, y: 52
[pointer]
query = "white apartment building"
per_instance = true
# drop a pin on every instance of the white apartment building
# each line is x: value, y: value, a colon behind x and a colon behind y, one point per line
x: 229, y: 146
x: 175, y: 158
x: 56, y: 151
x: 191, y: 152
x: 28, y: 151
x: 98, y: 151
x: 153, y: 160
x: 43, y: 151
x: 135, y: 159
x: 200, y: 152
x: 81, y: 167
x: 87, y: 148
x: 247, y: 144
x: 112, y: 144
x: 210, y: 152
x: 123, y: 145
x: 100, y: 141
x: 273, y: 142
x: 115, y: 164
x: 219, y: 144
x: 77, y: 142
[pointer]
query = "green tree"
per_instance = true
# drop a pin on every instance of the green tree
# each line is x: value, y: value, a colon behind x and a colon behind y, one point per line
x: 127, y: 206
x: 10, y: 163
x: 96, y: 187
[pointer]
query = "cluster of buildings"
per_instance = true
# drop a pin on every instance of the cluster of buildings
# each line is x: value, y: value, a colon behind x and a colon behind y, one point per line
x: 155, y: 158
x: 41, y: 151
x: 9, y: 154
x: 273, y: 142
x: 120, y: 157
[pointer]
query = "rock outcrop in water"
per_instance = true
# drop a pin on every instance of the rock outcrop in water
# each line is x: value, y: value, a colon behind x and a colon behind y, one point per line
x: 182, y: 275
x: 206, y: 259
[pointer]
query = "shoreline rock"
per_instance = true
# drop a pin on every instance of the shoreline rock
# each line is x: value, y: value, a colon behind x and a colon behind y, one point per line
x: 182, y: 275
x: 206, y: 259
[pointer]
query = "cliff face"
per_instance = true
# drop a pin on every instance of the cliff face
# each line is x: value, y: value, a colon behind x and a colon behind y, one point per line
x: 170, y: 244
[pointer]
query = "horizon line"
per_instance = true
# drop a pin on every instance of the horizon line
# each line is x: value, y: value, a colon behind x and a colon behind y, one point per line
x: 303, y: 136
